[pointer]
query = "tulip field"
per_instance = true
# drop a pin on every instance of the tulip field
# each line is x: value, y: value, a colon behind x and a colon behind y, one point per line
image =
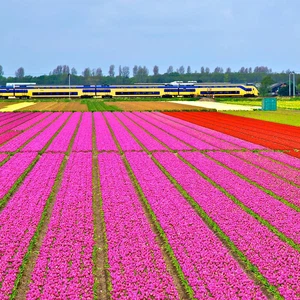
x: 148, y: 205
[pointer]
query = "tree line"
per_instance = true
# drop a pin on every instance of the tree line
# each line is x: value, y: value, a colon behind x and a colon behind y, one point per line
x: 140, y: 74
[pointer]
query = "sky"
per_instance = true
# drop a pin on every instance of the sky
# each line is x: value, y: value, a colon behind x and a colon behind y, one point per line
x: 38, y: 35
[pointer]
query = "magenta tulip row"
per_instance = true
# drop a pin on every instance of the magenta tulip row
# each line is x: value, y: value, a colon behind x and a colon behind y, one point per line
x: 278, y: 186
x: 37, y: 117
x: 149, y: 142
x: 8, y: 135
x: 229, y: 141
x: 13, y: 124
x: 20, y: 217
x: 63, y: 269
x: 282, y: 217
x: 104, y: 139
x: 275, y: 259
x: 13, y: 117
x: 5, y: 117
x: 15, y: 143
x: 137, y: 267
x: 196, y: 138
x: 126, y: 141
x: 40, y: 141
x: 3, y: 156
x: 13, y: 169
x: 195, y: 246
x: 62, y: 141
x: 83, y: 139
x: 170, y: 141
x: 284, y: 158
x: 194, y: 142
x: 271, y: 166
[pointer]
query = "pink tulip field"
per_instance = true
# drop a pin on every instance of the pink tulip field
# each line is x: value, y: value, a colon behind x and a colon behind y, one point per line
x: 145, y: 205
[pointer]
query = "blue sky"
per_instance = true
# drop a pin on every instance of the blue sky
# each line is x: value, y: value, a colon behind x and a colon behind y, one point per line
x: 40, y: 34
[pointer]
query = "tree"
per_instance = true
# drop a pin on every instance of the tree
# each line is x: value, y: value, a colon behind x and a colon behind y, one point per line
x: 120, y: 71
x: 142, y: 73
x: 242, y: 70
x: 125, y: 72
x: 58, y: 70
x: 207, y: 70
x: 134, y: 70
x: 99, y: 72
x: 65, y: 69
x: 170, y: 70
x: 1, y: 71
x: 20, y: 73
x: 202, y: 70
x: 87, y: 72
x: 111, y: 71
x: 218, y: 70
x: 228, y: 70
x: 262, y: 69
x: 155, y: 70
x: 73, y: 71
x: 265, y: 85
x: 188, y: 70
x: 181, y: 70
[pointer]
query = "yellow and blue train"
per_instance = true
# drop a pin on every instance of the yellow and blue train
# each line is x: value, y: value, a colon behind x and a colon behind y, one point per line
x: 170, y: 90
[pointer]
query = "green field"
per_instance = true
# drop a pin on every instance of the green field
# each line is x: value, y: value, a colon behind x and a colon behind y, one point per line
x: 99, y: 105
x: 290, y: 117
x: 286, y: 103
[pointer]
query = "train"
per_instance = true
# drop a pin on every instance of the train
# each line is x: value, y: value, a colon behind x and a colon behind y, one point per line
x: 166, y: 90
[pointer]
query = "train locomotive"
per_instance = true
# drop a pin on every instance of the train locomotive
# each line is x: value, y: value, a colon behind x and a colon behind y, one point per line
x: 168, y: 90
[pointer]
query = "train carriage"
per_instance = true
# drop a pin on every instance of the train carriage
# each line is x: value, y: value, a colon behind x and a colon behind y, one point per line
x: 170, y: 90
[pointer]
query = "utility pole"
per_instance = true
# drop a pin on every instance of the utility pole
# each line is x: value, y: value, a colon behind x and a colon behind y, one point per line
x: 69, y: 86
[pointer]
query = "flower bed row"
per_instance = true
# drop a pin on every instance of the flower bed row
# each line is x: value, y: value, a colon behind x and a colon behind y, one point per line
x: 40, y: 141
x: 196, y: 248
x: 263, y: 206
x: 283, y: 158
x: 11, y: 118
x: 21, y: 216
x: 64, y: 267
x: 126, y: 141
x: 36, y: 119
x: 184, y: 136
x: 15, y: 143
x: 5, y: 116
x: 104, y: 140
x: 245, y: 128
x: 146, y: 139
x: 276, y: 260
x: 221, y: 139
x: 137, y: 267
x: 263, y: 162
x: 13, y: 169
x: 276, y: 185
x: 168, y: 140
x: 62, y: 140
x: 12, y: 125
x: 83, y: 139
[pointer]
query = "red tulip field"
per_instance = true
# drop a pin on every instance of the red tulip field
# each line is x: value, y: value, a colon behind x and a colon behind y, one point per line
x: 148, y: 205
